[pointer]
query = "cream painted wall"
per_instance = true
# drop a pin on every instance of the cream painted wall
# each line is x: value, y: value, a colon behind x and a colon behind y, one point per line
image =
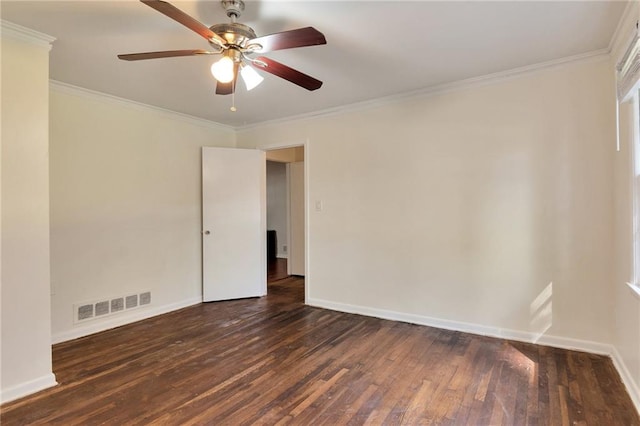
x: 286, y: 155
x: 277, y: 195
x: 626, y: 309
x: 460, y: 209
x: 125, y: 206
x: 456, y: 210
x: 25, y: 313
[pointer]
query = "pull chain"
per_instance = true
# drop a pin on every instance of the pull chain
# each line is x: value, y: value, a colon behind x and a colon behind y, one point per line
x: 233, y: 101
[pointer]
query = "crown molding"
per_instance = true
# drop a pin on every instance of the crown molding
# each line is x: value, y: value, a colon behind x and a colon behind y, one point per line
x: 18, y: 32
x: 70, y: 89
x: 427, y: 92
x: 489, y: 79
x: 625, y: 31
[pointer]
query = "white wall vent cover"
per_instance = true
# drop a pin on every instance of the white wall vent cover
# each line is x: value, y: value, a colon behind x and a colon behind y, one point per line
x: 102, y: 308
x: 85, y: 312
x: 131, y: 301
x: 117, y: 304
x: 145, y: 298
x: 106, y: 307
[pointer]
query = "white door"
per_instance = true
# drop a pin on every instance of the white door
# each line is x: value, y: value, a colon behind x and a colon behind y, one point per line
x: 233, y: 223
x: 296, y: 218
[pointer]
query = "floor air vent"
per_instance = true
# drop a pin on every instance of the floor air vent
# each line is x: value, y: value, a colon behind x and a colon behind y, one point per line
x: 102, y: 308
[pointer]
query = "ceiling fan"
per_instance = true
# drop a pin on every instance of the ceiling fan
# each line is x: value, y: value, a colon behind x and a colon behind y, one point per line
x: 236, y: 42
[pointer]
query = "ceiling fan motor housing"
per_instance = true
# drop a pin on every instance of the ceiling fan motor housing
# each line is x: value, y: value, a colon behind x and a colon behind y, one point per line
x: 235, y: 42
x: 234, y: 33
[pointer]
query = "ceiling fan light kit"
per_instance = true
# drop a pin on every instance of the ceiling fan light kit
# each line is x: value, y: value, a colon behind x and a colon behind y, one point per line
x: 236, y: 42
x: 222, y: 70
x: 251, y: 78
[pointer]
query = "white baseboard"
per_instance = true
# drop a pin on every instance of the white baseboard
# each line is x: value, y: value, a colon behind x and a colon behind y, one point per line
x: 27, y: 388
x: 571, y: 344
x: 502, y: 333
x: 282, y: 256
x: 632, y: 386
x: 117, y: 321
x: 522, y: 336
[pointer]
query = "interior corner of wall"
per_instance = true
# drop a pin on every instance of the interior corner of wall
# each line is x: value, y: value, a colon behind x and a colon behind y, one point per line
x: 27, y: 388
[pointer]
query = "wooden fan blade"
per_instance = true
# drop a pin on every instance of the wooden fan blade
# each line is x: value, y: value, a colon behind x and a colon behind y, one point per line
x: 283, y: 71
x: 301, y: 37
x: 164, y: 54
x: 186, y: 20
x: 228, y: 88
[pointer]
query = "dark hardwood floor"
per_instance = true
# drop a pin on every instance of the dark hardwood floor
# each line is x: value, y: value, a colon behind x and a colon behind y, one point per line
x: 276, y: 361
x: 276, y: 269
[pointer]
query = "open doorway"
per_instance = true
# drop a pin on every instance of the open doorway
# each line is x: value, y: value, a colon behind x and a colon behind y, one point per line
x: 285, y: 213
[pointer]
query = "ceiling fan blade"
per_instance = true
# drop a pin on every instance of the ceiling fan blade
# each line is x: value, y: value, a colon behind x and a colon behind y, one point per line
x: 228, y: 88
x: 164, y: 54
x: 186, y: 20
x: 301, y: 37
x: 283, y: 71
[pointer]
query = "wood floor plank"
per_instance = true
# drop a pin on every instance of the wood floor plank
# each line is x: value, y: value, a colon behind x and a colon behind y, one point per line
x: 274, y: 360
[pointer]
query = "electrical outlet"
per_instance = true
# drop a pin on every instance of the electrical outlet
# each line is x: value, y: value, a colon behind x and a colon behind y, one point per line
x: 284, y: 248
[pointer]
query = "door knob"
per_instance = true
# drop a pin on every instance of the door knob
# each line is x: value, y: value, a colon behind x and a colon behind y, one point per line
x: 206, y: 232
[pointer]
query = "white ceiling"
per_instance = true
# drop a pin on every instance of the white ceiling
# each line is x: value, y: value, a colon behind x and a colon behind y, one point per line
x: 374, y: 48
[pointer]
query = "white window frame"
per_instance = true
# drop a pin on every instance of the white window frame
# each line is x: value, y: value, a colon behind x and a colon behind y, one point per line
x: 627, y: 90
x: 635, y: 193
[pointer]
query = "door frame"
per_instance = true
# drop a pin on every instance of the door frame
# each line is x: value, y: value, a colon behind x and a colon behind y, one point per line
x: 307, y: 156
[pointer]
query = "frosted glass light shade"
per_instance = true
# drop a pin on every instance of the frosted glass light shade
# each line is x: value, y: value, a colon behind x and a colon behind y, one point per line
x: 251, y: 77
x: 222, y: 70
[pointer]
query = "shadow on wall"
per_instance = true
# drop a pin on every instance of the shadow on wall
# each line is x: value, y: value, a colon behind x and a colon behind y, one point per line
x: 541, y: 312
